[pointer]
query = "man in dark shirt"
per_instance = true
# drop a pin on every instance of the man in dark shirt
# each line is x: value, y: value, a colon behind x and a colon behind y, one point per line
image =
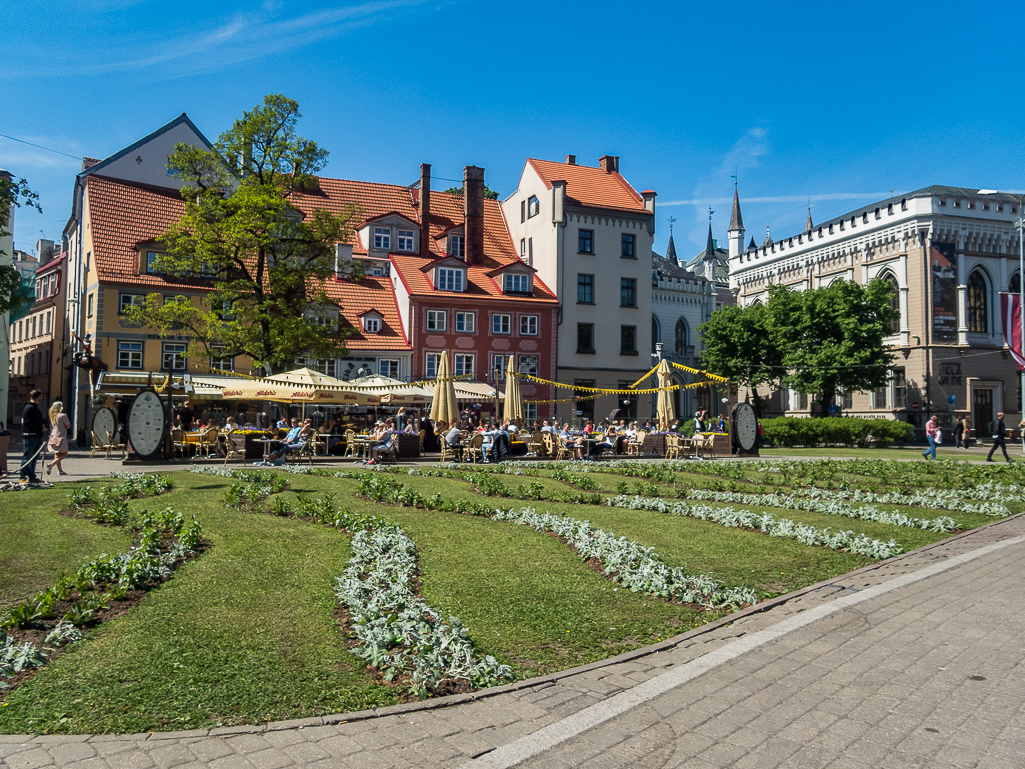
x: 32, y: 437
x: 185, y: 415
x: 999, y: 435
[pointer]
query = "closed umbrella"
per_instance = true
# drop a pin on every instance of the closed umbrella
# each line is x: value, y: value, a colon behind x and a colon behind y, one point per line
x: 444, y: 408
x: 513, y: 395
x: 664, y: 408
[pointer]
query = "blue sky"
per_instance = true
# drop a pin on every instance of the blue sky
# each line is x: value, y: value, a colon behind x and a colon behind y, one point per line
x: 839, y: 102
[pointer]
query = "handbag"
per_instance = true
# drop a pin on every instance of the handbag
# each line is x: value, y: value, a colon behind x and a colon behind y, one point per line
x: 939, y: 436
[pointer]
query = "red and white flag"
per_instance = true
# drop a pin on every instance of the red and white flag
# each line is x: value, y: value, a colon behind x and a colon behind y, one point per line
x: 1010, y: 313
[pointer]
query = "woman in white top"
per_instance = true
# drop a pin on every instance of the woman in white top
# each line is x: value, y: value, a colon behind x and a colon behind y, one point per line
x: 58, y: 442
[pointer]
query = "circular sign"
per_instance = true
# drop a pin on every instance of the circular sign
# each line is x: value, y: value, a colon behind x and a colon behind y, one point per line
x: 105, y: 425
x: 146, y: 424
x: 745, y: 426
x: 915, y: 405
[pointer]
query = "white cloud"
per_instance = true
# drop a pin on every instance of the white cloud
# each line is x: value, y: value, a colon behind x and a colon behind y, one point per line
x: 243, y: 37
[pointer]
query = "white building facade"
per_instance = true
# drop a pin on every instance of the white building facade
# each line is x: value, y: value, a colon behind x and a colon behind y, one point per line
x: 948, y: 252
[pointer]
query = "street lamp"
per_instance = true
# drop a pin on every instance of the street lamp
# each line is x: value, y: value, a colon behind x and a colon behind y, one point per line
x: 1019, y: 223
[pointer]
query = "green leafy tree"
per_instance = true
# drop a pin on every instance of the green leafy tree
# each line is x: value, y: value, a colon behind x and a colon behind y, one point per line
x: 488, y: 192
x: 736, y: 344
x: 242, y: 229
x: 13, y: 193
x: 832, y: 338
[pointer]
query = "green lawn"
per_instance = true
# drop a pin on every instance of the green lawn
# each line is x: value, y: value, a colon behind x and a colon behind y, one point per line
x: 247, y: 632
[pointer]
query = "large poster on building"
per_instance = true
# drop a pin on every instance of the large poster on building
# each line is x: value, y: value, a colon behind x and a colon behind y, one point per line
x: 944, y: 293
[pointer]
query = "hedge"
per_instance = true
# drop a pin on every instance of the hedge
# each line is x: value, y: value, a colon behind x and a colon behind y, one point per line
x: 787, y: 432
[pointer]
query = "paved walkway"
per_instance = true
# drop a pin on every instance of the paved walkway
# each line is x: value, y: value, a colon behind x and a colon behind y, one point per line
x: 913, y: 662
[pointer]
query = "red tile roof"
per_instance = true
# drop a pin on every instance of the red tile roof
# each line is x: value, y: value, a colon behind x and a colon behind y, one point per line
x: 124, y: 214
x: 357, y: 299
x: 591, y: 187
x: 447, y: 212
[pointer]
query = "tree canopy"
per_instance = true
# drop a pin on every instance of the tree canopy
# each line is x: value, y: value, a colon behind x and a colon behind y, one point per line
x: 242, y: 230
x: 488, y: 192
x: 13, y: 193
x: 823, y: 341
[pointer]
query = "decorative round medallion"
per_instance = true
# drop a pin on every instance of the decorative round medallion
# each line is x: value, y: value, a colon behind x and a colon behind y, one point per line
x: 146, y: 424
x: 745, y: 426
x: 105, y: 424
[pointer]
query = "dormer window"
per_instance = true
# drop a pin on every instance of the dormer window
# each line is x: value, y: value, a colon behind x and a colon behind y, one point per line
x: 406, y: 240
x: 455, y: 246
x: 516, y: 283
x: 323, y: 317
x: 382, y: 238
x: 152, y: 258
x: 371, y: 324
x: 450, y: 279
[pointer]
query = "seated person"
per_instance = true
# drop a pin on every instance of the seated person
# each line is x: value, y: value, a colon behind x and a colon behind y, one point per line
x: 381, y: 439
x: 229, y: 425
x: 454, y: 438
x: 298, y: 440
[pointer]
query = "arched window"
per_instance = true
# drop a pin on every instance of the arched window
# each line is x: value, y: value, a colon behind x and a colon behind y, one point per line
x: 889, y: 277
x: 1014, y: 286
x: 681, y: 337
x: 656, y: 332
x: 978, y: 303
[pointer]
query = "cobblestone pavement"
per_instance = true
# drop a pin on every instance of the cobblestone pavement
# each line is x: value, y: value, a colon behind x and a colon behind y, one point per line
x: 913, y: 662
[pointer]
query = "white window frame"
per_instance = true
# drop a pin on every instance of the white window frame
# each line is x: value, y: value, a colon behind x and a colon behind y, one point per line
x: 406, y: 240
x: 457, y: 246
x: 463, y: 363
x: 135, y: 300
x: 466, y: 322
x: 498, y: 365
x: 431, y: 362
x: 450, y: 279
x: 371, y: 325
x: 533, y: 206
x: 516, y: 283
x: 501, y: 324
x: 181, y: 356
x: 388, y: 367
x: 533, y: 363
x: 131, y: 351
x: 224, y: 364
x: 528, y: 325
x: 382, y: 238
x: 437, y: 320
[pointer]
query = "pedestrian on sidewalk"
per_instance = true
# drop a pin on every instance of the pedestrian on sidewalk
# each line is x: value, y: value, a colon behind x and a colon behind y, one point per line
x: 958, y: 432
x: 931, y: 428
x: 58, y: 443
x: 999, y: 439
x: 31, y: 437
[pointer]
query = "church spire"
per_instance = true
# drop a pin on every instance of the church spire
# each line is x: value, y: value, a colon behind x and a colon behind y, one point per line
x: 671, y: 250
x: 710, y: 246
x: 808, y: 226
x: 736, y: 220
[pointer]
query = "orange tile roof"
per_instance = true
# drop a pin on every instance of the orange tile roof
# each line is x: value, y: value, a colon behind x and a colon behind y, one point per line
x: 121, y: 216
x: 356, y: 299
x: 591, y: 187
x: 447, y: 212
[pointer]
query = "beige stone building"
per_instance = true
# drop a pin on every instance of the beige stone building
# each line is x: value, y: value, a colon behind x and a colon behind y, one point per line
x: 949, y: 252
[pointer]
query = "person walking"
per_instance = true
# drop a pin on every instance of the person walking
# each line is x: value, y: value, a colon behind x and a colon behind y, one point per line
x: 32, y: 437
x: 58, y: 442
x: 931, y: 428
x: 999, y: 438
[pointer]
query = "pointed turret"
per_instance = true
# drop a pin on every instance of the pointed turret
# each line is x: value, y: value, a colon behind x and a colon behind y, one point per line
x: 671, y: 251
x: 736, y: 220
x: 808, y: 226
x: 736, y: 231
x: 752, y: 245
x: 710, y: 245
x: 768, y: 238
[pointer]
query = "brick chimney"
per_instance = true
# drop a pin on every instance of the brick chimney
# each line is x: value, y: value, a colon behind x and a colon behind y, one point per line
x: 571, y: 160
x: 473, y: 200
x: 609, y: 164
x: 425, y: 209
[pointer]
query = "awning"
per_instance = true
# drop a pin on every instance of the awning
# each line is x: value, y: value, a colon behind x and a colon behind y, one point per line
x: 131, y: 382
x: 469, y: 390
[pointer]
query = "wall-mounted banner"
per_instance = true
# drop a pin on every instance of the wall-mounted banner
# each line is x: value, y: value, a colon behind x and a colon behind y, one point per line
x: 944, y: 292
